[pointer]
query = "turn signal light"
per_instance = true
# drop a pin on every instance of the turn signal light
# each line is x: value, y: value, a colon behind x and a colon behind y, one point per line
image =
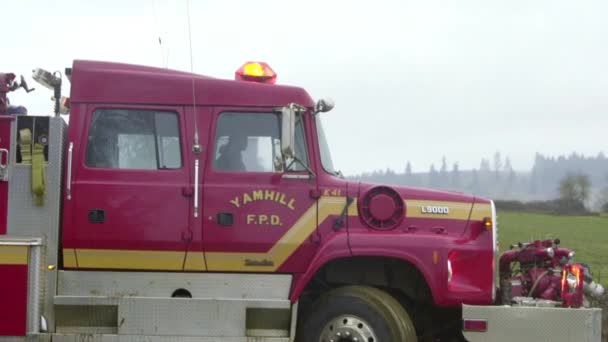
x: 487, y: 223
x: 256, y: 72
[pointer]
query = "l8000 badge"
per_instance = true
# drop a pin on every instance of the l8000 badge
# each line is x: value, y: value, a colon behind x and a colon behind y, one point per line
x: 433, y: 209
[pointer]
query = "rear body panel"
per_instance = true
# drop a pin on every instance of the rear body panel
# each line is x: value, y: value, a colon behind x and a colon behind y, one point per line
x: 13, y: 290
x: 20, y: 286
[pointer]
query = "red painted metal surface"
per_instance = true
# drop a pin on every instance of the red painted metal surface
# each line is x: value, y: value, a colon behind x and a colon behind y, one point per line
x: 102, y: 82
x: 414, y: 241
x: 13, y: 299
x: 5, y: 137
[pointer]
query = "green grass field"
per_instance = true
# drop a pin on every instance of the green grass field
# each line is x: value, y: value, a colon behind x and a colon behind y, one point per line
x: 586, y: 235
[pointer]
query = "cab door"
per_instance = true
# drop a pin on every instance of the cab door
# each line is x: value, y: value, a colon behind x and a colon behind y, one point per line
x: 129, y: 204
x: 258, y: 218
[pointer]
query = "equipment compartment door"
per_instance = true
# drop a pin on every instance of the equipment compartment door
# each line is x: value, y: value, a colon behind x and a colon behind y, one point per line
x: 130, y: 191
x: 257, y: 217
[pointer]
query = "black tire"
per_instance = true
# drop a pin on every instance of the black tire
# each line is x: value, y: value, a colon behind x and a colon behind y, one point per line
x: 357, y: 310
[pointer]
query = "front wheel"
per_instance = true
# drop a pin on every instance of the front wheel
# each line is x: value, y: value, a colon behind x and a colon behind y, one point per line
x: 357, y: 314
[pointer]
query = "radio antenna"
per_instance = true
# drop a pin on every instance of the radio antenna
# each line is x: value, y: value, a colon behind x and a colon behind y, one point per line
x: 164, y: 60
x: 196, y: 148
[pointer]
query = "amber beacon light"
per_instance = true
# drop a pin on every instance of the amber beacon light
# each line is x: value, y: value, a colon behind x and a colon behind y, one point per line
x: 256, y: 72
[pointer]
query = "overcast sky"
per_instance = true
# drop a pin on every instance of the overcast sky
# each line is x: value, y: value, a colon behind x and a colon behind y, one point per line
x: 412, y: 80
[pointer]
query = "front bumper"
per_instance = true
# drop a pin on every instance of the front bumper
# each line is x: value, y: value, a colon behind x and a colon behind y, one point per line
x: 522, y: 323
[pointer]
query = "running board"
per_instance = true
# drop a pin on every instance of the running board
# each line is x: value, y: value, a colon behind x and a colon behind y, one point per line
x: 173, y: 316
x: 128, y: 338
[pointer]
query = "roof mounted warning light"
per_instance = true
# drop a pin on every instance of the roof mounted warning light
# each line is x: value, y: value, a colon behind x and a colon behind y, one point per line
x: 256, y: 72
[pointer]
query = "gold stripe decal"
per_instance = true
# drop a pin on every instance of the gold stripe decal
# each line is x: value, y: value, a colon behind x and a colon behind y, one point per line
x: 268, y: 261
x: 291, y: 240
x: 69, y: 258
x: 481, y: 211
x: 130, y: 260
x: 14, y: 255
x: 195, y: 261
x: 216, y: 261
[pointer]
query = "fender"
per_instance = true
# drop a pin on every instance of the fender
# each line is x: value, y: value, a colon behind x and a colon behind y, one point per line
x: 430, y: 254
x: 407, y: 257
x: 335, y: 248
x: 426, y: 253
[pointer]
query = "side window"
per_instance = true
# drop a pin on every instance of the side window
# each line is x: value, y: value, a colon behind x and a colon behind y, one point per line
x: 250, y: 142
x: 133, y: 139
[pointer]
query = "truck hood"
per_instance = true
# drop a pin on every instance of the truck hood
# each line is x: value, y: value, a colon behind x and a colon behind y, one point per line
x: 433, y: 211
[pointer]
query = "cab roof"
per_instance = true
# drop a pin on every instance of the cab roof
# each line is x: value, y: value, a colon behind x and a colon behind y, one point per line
x: 117, y: 83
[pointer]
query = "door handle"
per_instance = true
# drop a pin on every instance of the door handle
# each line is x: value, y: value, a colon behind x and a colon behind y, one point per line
x: 187, y: 191
x: 196, y: 188
x: 97, y: 216
x: 68, y: 186
x: 4, y: 164
x: 225, y: 219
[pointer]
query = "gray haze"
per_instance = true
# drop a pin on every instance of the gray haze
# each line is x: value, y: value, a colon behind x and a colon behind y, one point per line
x: 412, y: 80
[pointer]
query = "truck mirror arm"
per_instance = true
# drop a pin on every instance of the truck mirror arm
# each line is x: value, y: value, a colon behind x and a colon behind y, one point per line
x: 296, y: 159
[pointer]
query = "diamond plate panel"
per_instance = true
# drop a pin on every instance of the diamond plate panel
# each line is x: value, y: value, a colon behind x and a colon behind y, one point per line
x: 35, y: 288
x: 516, y: 323
x: 161, y: 284
x: 25, y: 219
x: 166, y: 317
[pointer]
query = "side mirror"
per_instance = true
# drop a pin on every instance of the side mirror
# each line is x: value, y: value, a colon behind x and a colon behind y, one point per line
x: 288, y: 129
x: 277, y: 158
x: 324, y: 105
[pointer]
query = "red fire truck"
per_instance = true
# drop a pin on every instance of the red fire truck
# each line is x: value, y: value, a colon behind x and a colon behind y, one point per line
x: 179, y: 207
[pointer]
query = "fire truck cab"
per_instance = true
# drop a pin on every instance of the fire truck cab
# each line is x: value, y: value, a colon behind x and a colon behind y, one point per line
x: 179, y: 207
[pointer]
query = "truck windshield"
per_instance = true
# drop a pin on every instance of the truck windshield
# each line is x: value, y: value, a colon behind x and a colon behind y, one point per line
x: 326, y: 160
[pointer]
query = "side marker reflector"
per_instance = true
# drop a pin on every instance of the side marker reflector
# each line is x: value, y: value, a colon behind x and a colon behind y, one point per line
x: 479, y: 325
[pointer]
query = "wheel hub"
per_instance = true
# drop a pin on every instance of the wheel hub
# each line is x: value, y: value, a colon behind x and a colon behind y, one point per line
x: 347, y: 328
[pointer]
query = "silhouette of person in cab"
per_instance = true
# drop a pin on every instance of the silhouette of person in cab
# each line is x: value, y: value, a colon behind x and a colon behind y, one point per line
x: 230, y: 157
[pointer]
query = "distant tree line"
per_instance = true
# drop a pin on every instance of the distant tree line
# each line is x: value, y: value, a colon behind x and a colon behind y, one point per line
x: 496, y: 178
x: 574, y: 192
x: 548, y: 171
